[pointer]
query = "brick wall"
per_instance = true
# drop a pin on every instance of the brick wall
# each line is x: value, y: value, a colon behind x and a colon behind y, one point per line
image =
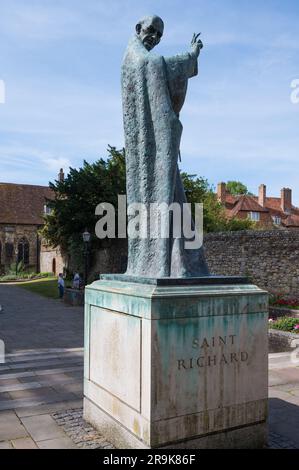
x: 270, y: 258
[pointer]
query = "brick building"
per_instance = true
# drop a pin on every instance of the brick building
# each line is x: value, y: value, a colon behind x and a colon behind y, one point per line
x: 266, y: 211
x: 21, y: 217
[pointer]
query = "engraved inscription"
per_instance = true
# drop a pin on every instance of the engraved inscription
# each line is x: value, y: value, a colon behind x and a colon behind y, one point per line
x: 208, y: 358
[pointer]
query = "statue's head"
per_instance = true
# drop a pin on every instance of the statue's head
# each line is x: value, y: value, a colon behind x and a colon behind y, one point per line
x: 150, y: 31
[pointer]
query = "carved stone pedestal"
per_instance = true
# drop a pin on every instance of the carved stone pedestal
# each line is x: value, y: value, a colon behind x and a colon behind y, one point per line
x: 179, y: 363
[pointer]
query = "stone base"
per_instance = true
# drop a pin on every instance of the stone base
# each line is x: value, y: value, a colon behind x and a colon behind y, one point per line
x: 254, y: 436
x: 179, y: 364
x: 177, y: 281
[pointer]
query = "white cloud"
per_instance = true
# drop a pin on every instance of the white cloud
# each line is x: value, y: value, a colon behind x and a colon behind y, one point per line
x: 54, y: 21
x: 54, y: 164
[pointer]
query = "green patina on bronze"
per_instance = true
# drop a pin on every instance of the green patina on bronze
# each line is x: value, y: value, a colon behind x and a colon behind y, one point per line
x: 153, y: 92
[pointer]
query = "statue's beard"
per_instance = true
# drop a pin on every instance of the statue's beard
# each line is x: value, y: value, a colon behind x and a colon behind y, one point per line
x: 148, y: 44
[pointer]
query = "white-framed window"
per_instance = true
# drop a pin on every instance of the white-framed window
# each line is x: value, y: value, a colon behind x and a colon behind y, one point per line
x: 276, y: 219
x: 254, y: 216
x: 47, y: 210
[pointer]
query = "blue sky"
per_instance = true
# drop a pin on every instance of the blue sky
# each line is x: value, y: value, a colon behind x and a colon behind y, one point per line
x: 60, y: 61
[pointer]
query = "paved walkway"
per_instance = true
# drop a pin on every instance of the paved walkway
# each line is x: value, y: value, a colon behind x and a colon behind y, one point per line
x: 29, y: 321
x: 41, y: 380
x: 283, y: 402
x: 29, y: 379
x: 43, y: 370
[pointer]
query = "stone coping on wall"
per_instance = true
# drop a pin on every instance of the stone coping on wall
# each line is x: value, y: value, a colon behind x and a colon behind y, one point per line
x: 282, y: 341
x: 74, y: 297
x: 282, y: 233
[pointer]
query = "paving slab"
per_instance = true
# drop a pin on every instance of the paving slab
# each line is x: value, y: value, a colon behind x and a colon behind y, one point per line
x: 288, y: 374
x: 76, y: 388
x: 19, y: 386
x: 11, y: 427
x: 6, y: 445
x: 24, y: 443
x: 58, y: 443
x: 275, y: 378
x: 44, y: 393
x: 54, y: 379
x: 3, y: 397
x: 9, y: 381
x: 42, y: 427
x: 48, y: 408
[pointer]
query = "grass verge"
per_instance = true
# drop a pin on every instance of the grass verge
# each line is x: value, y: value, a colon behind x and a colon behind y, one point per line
x: 45, y: 287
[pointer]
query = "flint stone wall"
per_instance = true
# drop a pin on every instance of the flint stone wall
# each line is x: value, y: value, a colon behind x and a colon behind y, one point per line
x: 269, y: 258
x: 282, y: 341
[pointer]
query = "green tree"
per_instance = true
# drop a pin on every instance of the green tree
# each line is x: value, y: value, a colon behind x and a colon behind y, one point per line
x: 75, y: 200
x: 198, y: 189
x: 236, y: 188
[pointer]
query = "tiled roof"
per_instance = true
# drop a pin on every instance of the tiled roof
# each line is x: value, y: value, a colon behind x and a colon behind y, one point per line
x: 248, y: 204
x: 273, y: 203
x: 235, y: 204
x: 291, y: 221
x: 23, y: 204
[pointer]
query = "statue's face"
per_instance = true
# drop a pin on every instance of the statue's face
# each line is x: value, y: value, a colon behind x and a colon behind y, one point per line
x: 150, y: 32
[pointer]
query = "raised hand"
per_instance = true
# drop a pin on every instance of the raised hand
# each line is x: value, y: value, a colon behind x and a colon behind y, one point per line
x: 196, y: 44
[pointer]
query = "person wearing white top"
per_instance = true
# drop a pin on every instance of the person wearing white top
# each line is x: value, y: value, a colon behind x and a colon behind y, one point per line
x: 61, y: 286
x: 76, y: 281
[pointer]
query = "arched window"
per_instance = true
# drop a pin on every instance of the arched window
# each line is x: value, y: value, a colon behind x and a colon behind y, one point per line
x: 9, y: 253
x: 23, y: 251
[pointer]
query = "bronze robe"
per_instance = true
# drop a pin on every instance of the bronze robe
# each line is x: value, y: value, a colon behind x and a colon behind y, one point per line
x: 153, y: 92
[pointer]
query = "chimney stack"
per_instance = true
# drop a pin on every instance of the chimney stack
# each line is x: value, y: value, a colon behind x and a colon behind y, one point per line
x: 221, y: 192
x: 61, y: 176
x: 262, y: 195
x: 286, y: 199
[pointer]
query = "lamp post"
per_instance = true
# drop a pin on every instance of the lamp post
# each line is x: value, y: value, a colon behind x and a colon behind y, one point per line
x: 86, y: 239
x: 17, y: 258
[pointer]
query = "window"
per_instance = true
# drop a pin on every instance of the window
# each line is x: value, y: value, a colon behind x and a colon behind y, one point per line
x: 23, y: 251
x: 276, y: 220
x: 47, y: 210
x: 254, y: 216
x: 9, y: 253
